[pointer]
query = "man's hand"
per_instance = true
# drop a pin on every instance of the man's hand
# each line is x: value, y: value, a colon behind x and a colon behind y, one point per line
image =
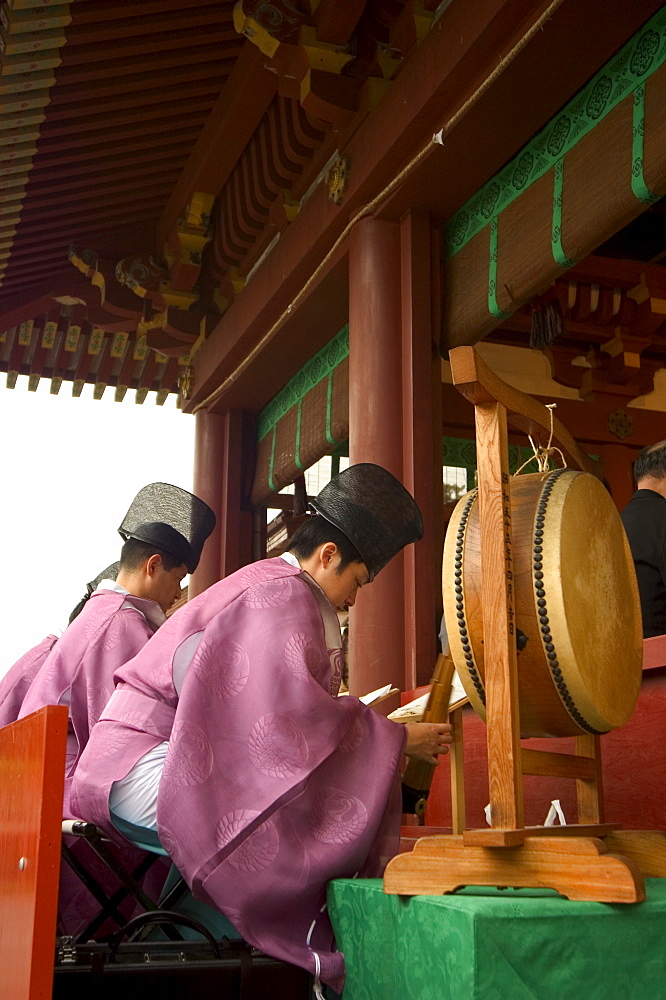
x: 425, y: 740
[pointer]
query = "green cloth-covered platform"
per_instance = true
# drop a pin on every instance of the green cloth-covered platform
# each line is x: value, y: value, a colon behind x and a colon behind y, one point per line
x: 491, y: 944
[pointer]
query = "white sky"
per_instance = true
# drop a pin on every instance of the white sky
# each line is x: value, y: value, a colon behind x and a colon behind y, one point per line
x: 70, y: 469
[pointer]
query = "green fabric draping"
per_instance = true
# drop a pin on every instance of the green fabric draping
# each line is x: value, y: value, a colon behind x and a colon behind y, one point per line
x: 491, y: 944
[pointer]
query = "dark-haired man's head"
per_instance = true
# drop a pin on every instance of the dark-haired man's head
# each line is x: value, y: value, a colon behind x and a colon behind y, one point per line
x: 314, y: 532
x: 152, y: 573
x: 650, y: 467
x: 325, y: 552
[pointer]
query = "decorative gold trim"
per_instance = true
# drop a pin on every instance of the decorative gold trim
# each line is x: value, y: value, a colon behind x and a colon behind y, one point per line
x: 337, y: 179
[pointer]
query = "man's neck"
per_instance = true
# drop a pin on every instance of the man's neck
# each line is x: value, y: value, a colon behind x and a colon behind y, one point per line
x: 650, y: 483
x: 132, y: 582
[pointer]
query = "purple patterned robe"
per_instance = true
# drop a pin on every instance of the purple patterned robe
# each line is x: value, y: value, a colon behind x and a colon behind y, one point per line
x: 79, y: 669
x: 17, y: 680
x: 271, y: 787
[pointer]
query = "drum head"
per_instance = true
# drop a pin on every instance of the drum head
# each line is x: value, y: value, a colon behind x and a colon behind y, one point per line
x: 576, y: 604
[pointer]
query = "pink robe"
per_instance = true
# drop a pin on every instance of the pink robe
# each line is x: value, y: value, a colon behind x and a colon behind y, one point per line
x: 271, y: 787
x: 79, y: 669
x: 17, y: 680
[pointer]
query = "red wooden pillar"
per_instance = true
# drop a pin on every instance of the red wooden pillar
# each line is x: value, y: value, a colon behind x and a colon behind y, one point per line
x: 208, y: 447
x: 235, y: 460
x: 377, y: 630
x: 617, y: 462
x: 223, y: 454
x: 422, y: 441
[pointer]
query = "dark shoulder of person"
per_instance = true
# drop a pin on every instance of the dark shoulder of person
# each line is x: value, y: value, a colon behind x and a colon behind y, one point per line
x: 645, y: 513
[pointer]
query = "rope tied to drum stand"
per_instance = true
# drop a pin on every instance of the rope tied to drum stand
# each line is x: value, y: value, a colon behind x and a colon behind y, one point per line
x: 543, y: 455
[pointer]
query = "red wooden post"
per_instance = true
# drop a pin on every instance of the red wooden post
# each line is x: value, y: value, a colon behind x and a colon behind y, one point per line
x: 377, y: 632
x: 235, y: 513
x: 208, y: 448
x: 422, y: 443
x: 617, y: 463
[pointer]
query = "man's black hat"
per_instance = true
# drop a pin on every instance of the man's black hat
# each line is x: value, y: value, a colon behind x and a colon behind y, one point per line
x: 374, y: 511
x: 109, y: 573
x: 171, y: 519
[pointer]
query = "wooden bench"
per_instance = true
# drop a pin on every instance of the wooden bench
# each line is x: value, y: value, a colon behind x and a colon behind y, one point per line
x: 32, y: 768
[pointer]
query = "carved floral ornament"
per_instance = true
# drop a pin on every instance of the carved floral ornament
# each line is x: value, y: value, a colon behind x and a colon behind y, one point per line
x: 620, y: 423
x: 268, y: 24
x: 337, y: 179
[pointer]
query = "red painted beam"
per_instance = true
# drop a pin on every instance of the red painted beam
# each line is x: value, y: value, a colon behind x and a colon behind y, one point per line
x: 150, y: 66
x: 235, y: 116
x: 573, y: 45
x: 89, y: 14
x: 38, y: 300
x: 463, y: 49
x: 588, y: 423
x: 80, y: 51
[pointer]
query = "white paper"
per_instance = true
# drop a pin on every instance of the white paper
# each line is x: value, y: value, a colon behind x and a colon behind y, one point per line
x: 413, y: 710
x: 555, y: 812
x: 373, y: 696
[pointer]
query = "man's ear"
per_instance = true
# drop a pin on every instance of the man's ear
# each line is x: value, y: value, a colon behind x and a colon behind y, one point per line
x: 326, y: 553
x: 153, y: 564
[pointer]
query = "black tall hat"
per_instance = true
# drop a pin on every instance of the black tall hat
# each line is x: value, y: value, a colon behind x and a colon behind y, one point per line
x: 374, y: 511
x: 110, y: 573
x: 171, y: 519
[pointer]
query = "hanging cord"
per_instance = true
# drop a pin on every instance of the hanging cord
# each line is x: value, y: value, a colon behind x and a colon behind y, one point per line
x: 437, y: 139
x: 541, y: 455
x: 317, y: 988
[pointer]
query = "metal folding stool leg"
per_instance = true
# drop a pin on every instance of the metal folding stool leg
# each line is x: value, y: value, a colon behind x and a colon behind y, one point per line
x: 130, y: 884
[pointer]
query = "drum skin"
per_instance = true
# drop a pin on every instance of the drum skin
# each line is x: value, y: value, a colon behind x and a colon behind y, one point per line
x: 575, y: 598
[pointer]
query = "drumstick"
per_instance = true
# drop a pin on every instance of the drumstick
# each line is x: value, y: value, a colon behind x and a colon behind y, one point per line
x: 418, y: 774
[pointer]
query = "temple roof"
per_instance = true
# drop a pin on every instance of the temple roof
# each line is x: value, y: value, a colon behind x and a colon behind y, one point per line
x: 149, y: 160
x: 101, y: 105
x: 156, y: 156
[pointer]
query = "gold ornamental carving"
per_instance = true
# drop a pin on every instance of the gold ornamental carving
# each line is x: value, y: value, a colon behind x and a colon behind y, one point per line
x: 620, y: 424
x: 186, y: 382
x: 337, y: 179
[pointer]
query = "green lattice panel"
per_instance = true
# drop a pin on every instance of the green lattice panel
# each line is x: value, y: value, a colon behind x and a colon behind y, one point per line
x: 311, y: 374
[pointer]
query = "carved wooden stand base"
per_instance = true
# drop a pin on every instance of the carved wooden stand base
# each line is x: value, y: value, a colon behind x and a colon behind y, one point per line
x: 581, y: 868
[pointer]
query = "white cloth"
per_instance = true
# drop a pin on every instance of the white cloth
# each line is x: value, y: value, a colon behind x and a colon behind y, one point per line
x: 328, y: 612
x: 151, y: 610
x: 134, y: 799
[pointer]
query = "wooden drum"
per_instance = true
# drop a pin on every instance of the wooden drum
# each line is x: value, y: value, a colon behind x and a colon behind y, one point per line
x: 575, y: 599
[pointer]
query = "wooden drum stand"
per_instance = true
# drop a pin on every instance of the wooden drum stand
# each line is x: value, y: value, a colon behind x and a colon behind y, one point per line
x: 590, y: 860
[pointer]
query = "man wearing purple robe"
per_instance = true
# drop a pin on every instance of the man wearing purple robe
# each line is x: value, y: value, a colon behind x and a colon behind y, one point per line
x: 14, y: 685
x: 225, y: 735
x: 19, y: 677
x: 163, y: 531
